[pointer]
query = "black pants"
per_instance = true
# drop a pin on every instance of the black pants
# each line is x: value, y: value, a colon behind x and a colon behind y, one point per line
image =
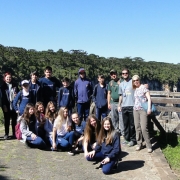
x: 76, y: 137
x: 7, y: 116
x: 128, y: 119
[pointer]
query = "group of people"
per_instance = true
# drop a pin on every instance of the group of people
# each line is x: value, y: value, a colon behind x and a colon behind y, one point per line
x: 47, y: 118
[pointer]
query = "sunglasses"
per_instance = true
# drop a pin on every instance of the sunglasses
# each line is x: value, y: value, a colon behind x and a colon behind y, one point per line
x: 135, y: 80
x: 124, y: 73
x: 112, y: 73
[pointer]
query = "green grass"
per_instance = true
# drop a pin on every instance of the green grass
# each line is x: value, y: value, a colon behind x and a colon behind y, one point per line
x: 170, y: 145
x: 1, y: 116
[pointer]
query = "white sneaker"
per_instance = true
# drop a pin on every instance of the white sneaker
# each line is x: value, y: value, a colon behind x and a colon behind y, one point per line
x: 149, y: 150
x: 71, y: 153
x: 138, y: 148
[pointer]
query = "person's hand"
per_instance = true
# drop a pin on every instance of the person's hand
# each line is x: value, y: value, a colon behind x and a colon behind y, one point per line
x: 106, y: 160
x: 54, y: 146
x: 33, y: 136
x: 91, y: 154
x: 93, y: 145
x: 86, y: 154
x: 109, y: 106
x: 17, y: 112
x: 119, y: 108
x: 148, y: 111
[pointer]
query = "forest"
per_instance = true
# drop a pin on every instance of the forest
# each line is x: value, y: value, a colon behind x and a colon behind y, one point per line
x: 21, y: 62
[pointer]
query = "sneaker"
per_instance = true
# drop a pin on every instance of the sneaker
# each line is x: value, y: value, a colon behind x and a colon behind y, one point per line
x: 131, y: 143
x: 6, y: 137
x: 149, y: 150
x: 125, y: 142
x: 138, y: 148
x: 71, y: 153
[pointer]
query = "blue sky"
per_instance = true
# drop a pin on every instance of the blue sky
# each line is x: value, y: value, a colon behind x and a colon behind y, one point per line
x: 149, y: 29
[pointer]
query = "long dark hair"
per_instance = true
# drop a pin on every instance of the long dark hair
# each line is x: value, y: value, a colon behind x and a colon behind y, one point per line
x: 104, y: 135
x: 26, y: 116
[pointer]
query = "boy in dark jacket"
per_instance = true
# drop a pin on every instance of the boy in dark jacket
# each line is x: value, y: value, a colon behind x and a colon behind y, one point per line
x: 100, y: 98
x: 49, y: 85
x: 83, y: 92
x: 35, y: 87
x: 66, y: 96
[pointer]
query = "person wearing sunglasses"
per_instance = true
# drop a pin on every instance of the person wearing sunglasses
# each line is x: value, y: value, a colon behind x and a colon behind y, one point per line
x: 126, y: 103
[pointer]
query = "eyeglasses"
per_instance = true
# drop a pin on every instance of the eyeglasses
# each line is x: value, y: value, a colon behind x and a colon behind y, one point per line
x: 124, y: 73
x: 135, y: 80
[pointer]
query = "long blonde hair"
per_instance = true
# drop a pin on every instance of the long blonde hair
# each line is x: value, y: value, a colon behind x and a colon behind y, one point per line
x: 50, y: 115
x: 60, y: 118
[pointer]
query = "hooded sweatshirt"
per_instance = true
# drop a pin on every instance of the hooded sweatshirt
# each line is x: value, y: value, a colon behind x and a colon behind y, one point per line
x: 82, y: 88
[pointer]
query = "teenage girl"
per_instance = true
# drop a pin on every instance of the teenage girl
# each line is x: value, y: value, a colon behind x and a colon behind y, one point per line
x: 29, y: 130
x: 50, y: 116
x: 78, y: 127
x: 40, y: 117
x: 9, y: 90
x: 91, y: 133
x: 62, y: 134
x: 108, y: 147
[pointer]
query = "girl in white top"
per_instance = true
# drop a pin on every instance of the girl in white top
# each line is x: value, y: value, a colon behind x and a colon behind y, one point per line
x: 62, y: 135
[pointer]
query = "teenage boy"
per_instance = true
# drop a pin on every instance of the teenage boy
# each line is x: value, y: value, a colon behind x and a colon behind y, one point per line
x: 83, y: 91
x: 100, y: 98
x: 66, y: 96
x: 49, y: 85
x: 113, y: 99
x: 22, y: 98
x: 35, y: 87
x: 126, y: 103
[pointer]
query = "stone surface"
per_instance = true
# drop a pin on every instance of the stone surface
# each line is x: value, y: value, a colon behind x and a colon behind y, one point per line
x: 18, y: 162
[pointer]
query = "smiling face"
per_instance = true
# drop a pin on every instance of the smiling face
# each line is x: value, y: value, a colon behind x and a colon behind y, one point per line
x: 113, y: 75
x: 107, y: 125
x: 125, y: 74
x: 41, y: 108
x: 52, y: 108
x: 8, y: 79
x: 65, y: 113
x: 31, y: 110
x: 93, y: 122
x: 136, y: 82
x: 75, y: 118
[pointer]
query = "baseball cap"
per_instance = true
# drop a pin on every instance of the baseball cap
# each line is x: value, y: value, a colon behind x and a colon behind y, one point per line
x: 24, y: 82
x: 113, y: 71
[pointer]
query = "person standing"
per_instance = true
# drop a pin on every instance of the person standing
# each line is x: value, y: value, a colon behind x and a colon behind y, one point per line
x: 113, y: 99
x: 126, y: 103
x: 100, y: 98
x: 49, y: 85
x: 9, y: 90
x: 34, y: 86
x: 83, y: 91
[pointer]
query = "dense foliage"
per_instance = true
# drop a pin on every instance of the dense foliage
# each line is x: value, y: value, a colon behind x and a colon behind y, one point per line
x: 20, y: 62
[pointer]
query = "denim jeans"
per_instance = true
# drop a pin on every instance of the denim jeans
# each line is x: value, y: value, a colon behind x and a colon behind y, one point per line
x: 83, y: 110
x: 36, y: 143
x: 101, y: 112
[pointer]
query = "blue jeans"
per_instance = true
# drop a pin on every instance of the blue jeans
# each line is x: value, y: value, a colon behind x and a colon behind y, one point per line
x: 83, y: 110
x: 66, y: 140
x: 101, y: 112
x: 106, y: 168
x: 36, y: 143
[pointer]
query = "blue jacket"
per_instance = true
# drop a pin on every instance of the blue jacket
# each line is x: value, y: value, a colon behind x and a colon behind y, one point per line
x: 82, y: 89
x: 36, y: 92
x: 110, y: 150
x: 100, y: 95
x: 66, y: 97
x: 49, y: 88
x: 22, y: 101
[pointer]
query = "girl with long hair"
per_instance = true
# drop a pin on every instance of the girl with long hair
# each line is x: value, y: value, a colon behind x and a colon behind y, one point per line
x: 108, y: 146
x: 40, y: 117
x: 28, y: 128
x: 50, y: 116
x: 9, y: 90
x: 90, y: 134
x: 62, y: 134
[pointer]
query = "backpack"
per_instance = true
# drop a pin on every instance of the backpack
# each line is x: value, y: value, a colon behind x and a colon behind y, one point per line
x: 18, y: 131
